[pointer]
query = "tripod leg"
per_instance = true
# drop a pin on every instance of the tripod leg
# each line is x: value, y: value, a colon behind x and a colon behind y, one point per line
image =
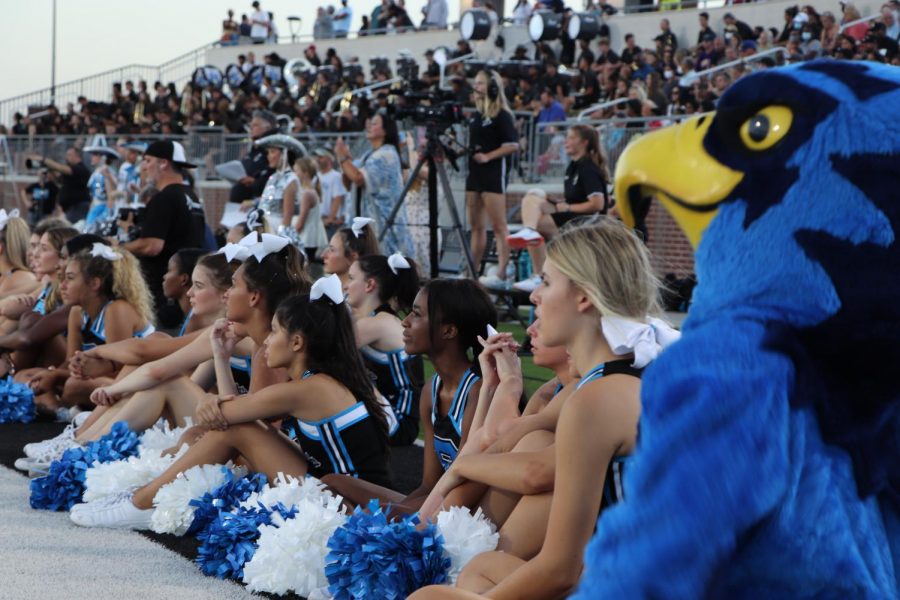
x: 454, y: 215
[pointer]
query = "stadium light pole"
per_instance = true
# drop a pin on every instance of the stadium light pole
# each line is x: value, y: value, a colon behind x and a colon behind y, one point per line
x: 53, y: 60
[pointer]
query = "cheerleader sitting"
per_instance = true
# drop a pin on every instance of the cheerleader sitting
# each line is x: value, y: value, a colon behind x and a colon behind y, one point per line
x: 377, y: 287
x: 328, y: 407
x: 589, y: 304
x: 446, y: 318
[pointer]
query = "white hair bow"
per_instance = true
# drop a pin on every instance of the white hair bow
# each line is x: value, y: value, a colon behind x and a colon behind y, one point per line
x: 269, y: 244
x: 234, y: 252
x: 646, y: 340
x: 250, y: 239
x: 104, y: 251
x: 330, y: 287
x: 491, y: 330
x: 4, y: 217
x: 397, y: 262
x: 359, y: 223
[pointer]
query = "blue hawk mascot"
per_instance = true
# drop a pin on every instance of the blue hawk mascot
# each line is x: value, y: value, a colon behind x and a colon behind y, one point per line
x: 769, y: 457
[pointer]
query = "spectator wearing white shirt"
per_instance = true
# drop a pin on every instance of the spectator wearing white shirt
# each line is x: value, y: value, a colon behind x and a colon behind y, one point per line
x: 273, y: 30
x: 435, y: 12
x: 521, y: 13
x: 333, y: 192
x: 259, y: 21
x: 342, y: 19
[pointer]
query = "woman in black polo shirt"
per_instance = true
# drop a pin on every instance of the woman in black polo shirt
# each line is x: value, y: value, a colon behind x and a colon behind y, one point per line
x: 585, y: 194
x: 492, y: 136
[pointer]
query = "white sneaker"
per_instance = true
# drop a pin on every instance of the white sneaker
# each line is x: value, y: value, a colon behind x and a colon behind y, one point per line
x: 81, y: 417
x: 35, y: 449
x: 528, y: 285
x: 41, y: 459
x: 493, y: 282
x: 118, y: 512
x: 524, y: 238
x: 24, y: 463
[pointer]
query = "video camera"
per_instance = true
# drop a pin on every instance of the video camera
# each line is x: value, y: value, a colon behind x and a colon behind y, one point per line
x: 432, y: 108
x: 133, y: 213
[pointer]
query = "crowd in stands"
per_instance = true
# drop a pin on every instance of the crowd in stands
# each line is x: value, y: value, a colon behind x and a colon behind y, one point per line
x: 654, y: 74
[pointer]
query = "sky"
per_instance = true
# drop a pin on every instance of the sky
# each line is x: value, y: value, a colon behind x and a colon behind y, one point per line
x: 93, y: 36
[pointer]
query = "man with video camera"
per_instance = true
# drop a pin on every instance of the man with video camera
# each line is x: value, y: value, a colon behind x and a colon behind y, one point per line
x: 251, y: 186
x: 172, y: 220
x: 74, y: 197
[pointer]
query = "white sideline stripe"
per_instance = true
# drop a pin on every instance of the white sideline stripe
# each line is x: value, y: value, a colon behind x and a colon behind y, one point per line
x: 44, y: 555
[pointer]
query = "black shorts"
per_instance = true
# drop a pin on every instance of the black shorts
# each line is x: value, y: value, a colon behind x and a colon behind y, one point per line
x: 489, y: 177
x: 561, y: 218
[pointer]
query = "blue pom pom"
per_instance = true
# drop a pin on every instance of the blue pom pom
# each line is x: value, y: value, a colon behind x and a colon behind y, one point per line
x: 63, y: 485
x: 228, y: 495
x: 230, y: 540
x: 371, y: 557
x: 16, y: 402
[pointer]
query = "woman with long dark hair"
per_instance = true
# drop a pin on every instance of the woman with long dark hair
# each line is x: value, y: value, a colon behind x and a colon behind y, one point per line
x: 585, y: 194
x: 446, y: 319
x: 377, y: 288
x: 378, y: 174
x: 328, y: 406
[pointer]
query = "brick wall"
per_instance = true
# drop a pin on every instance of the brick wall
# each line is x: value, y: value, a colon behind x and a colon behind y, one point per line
x: 670, y: 250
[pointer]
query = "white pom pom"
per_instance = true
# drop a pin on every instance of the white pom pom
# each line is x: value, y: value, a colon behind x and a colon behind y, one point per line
x: 291, y: 553
x: 173, y: 512
x: 465, y: 536
x: 290, y: 491
x: 160, y: 437
x: 103, y: 479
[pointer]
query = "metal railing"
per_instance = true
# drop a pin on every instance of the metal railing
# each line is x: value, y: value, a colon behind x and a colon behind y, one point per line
x: 95, y: 87
x: 858, y: 21
x: 689, y: 79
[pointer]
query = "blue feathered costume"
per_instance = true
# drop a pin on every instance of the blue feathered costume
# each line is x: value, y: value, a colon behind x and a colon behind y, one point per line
x: 769, y: 458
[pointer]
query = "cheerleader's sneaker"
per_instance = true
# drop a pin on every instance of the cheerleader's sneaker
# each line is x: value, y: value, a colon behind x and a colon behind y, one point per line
x: 524, y: 238
x: 492, y: 282
x: 35, y: 449
x: 118, y: 512
x: 528, y: 285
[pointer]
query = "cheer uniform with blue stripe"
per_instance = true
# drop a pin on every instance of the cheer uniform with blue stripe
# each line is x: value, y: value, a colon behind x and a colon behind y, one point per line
x: 184, y: 324
x: 613, y: 492
x: 448, y: 431
x: 94, y: 334
x: 347, y: 443
x: 398, y: 377
x: 240, y: 372
x: 40, y: 305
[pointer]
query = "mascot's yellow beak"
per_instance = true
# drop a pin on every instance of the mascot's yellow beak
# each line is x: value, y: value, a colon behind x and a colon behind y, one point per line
x: 672, y: 165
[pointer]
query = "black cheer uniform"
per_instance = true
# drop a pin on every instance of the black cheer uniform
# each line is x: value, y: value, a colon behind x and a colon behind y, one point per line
x: 486, y: 135
x: 583, y: 178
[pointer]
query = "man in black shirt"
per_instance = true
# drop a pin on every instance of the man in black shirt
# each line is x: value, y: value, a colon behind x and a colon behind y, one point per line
x: 632, y: 52
x: 666, y: 39
x: 170, y: 221
x: 262, y: 124
x: 74, y: 197
x: 743, y: 30
x: 704, y: 27
x: 39, y: 198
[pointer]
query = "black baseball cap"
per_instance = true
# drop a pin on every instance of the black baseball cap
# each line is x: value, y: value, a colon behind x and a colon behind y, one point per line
x: 170, y: 151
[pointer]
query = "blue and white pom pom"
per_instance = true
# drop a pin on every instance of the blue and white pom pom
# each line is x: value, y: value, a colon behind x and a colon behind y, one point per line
x: 174, y: 512
x: 63, y: 486
x: 371, y: 557
x: 229, y: 540
x: 290, y: 554
x: 465, y: 536
x: 108, y: 478
x: 230, y: 494
x: 16, y: 402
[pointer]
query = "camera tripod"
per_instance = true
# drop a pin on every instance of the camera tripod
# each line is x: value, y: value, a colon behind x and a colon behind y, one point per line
x: 434, y: 150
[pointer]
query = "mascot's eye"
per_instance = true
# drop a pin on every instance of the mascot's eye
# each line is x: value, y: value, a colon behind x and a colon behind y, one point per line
x: 766, y: 128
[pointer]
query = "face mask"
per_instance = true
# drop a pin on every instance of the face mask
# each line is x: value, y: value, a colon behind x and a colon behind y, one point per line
x: 668, y: 73
x: 807, y: 35
x: 727, y: 35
